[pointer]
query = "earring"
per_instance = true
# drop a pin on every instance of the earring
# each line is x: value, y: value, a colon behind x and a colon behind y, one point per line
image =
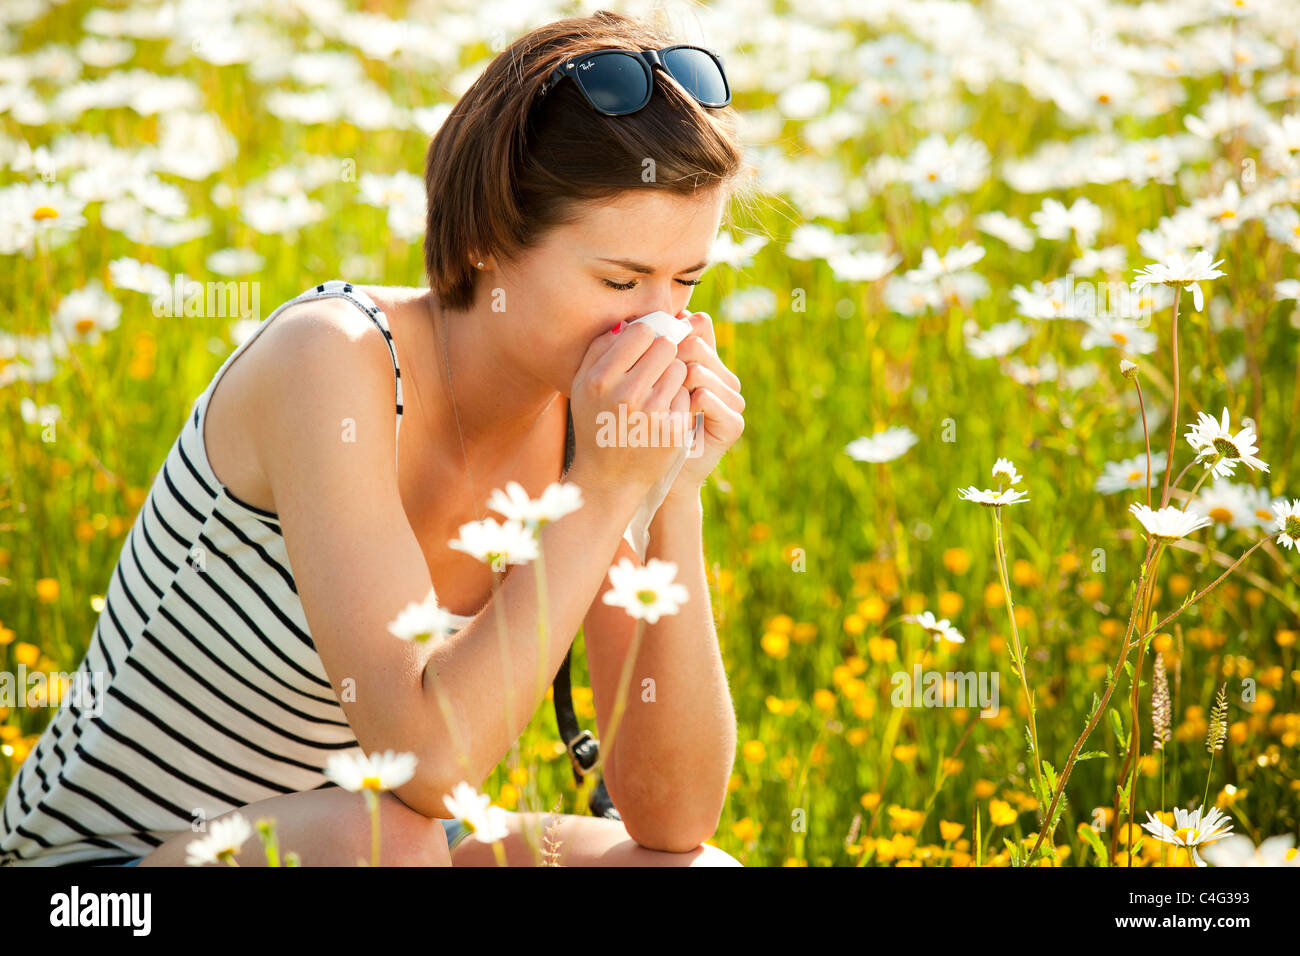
x: 480, y: 265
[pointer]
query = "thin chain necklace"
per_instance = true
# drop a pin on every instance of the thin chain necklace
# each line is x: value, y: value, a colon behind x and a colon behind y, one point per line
x: 446, y: 357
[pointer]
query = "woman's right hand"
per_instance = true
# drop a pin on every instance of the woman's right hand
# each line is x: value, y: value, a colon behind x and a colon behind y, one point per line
x: 638, y: 372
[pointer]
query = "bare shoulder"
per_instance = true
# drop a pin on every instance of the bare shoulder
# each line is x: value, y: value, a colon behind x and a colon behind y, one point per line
x: 312, y: 364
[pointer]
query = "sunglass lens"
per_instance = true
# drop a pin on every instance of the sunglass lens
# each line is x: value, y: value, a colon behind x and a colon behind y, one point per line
x: 615, y: 82
x: 699, y: 74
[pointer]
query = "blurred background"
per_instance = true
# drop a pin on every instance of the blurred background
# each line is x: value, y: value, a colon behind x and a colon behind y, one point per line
x: 945, y: 191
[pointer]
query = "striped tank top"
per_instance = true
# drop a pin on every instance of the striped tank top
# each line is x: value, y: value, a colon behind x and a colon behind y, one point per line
x: 205, y: 692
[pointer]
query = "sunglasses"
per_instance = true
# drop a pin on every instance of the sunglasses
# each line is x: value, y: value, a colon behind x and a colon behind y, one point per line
x: 618, y: 82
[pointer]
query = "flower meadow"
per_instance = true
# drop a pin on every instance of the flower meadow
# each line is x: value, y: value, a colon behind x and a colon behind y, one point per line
x: 1014, y: 301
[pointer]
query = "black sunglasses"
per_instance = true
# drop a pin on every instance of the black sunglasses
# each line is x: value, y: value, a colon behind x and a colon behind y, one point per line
x: 618, y: 82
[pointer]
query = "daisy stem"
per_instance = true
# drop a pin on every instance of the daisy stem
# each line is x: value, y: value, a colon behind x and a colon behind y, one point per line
x: 499, y: 852
x: 497, y: 580
x: 1146, y: 437
x: 1186, y: 467
x: 542, y: 643
x: 1215, y: 583
x: 1196, y: 487
x: 1173, y: 407
x: 1019, y: 659
x: 620, y: 698
x: 1206, y: 797
x: 1125, y: 646
x: 1129, y: 769
x: 443, y: 705
x: 372, y: 802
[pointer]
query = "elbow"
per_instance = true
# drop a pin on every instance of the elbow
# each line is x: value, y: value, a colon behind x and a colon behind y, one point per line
x: 426, y: 792
x: 668, y: 836
x: 669, y: 827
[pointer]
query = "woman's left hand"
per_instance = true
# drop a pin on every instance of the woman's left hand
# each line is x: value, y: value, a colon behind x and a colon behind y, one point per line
x: 715, y: 391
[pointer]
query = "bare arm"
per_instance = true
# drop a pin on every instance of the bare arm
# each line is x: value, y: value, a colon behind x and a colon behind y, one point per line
x: 468, y: 671
x: 668, y: 770
x: 357, y: 562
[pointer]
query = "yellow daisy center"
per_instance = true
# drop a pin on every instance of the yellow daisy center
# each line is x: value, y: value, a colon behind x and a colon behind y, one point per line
x: 646, y: 596
x: 45, y: 212
x: 1188, y: 835
x: 1226, y: 448
x: 371, y: 783
x: 84, y: 326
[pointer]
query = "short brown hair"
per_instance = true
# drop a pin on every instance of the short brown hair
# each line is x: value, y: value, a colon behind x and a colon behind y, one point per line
x: 504, y: 168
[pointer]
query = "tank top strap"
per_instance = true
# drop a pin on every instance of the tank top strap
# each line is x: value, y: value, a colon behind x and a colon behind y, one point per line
x: 346, y: 290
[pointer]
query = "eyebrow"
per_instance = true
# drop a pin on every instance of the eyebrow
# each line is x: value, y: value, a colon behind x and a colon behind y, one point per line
x: 648, y: 270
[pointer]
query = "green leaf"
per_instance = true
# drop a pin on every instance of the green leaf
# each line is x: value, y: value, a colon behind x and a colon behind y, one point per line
x: 1089, y: 836
x: 1091, y: 754
x: 1117, y: 725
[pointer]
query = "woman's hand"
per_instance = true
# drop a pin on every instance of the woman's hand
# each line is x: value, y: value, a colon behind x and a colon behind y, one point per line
x: 623, y: 378
x: 715, y: 391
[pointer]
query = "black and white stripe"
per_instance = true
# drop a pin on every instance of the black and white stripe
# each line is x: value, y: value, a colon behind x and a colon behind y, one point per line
x: 214, y: 696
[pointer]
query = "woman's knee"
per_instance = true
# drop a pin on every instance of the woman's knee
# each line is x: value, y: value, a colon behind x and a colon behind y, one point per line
x: 408, y: 837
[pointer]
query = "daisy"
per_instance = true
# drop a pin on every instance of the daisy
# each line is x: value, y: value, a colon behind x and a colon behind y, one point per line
x: 998, y: 340
x: 940, y: 629
x: 1169, y: 523
x: 421, y: 620
x: 1189, y: 830
x: 1128, y: 473
x: 863, y: 266
x: 127, y: 273
x: 495, y: 543
x: 559, y: 499
x: 882, y: 446
x: 1003, y: 466
x: 1112, y: 331
x: 1221, y: 449
x: 1288, y: 523
x: 1180, y: 271
x: 225, y: 836
x: 993, y: 498
x: 646, y: 593
x: 1007, y: 228
x: 1286, y: 289
x: 934, y: 266
x: 475, y: 810
x: 86, y: 313
x: 1055, y: 221
x: 1257, y: 506
x: 1048, y: 300
x: 379, y: 771
x: 1238, y: 850
x: 1225, y: 505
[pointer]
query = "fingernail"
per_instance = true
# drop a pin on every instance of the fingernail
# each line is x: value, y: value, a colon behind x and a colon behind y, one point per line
x: 616, y: 329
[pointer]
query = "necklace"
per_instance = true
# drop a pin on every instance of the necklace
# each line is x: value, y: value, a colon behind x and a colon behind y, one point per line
x: 446, y: 357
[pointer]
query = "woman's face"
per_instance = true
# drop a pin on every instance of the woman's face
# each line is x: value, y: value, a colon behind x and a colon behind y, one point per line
x: 623, y: 258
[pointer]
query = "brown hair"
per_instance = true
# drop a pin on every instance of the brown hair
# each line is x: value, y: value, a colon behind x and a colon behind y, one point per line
x: 504, y: 168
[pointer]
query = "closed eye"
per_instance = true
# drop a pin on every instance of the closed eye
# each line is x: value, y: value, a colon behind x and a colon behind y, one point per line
x: 631, y: 285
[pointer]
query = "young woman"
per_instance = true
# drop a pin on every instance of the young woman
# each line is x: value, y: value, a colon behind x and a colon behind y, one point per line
x: 315, y: 486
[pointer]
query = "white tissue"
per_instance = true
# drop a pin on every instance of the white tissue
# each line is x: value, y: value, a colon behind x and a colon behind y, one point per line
x: 670, y: 327
x: 638, y: 531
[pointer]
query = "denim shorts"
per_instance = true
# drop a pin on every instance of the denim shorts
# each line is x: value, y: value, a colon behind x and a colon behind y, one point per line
x: 456, y: 832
